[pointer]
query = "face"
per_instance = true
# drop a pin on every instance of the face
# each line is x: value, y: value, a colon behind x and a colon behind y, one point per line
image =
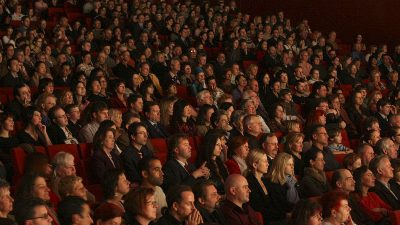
x: 8, y: 124
x: 319, y: 162
x: 186, y: 111
x: 154, y: 114
x: 347, y: 183
x: 68, y: 169
x: 242, y: 190
x: 262, y: 165
x: 37, y: 118
x: 217, y: 148
x: 24, y: 95
x: 255, y: 126
x: 243, y: 151
x: 315, y: 219
x: 40, y: 189
x: 391, y: 150
x: 6, y: 201
x: 141, y: 136
x: 211, y: 198
x: 79, y: 190
x: 368, y: 179
x: 184, y: 149
x: 123, y: 185
x: 84, y: 217
x: 61, y: 118
x: 109, y: 141
x: 297, y: 145
x: 343, y: 212
x: 186, y: 206
x: 385, y: 169
x: 367, y: 155
x: 375, y: 137
x: 385, y: 110
x: 271, y: 146
x: 102, y: 115
x: 41, y: 216
x: 155, y: 173
x: 321, y: 137
x: 138, y: 105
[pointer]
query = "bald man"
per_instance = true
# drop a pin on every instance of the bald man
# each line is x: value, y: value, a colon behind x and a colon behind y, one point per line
x: 236, y: 209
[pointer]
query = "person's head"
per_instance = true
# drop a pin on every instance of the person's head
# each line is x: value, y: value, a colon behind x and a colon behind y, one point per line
x: 335, y: 136
x: 366, y: 153
x: 206, y: 195
x: 74, y: 210
x: 386, y: 146
x: 335, y: 206
x: 141, y: 203
x: 238, y: 146
x: 72, y: 186
x: 306, y: 212
x: 39, y: 163
x: 151, y: 172
x: 58, y: 116
x: 63, y: 163
x: 6, y: 121
x: 116, y: 117
x: 294, y: 142
x: 382, y: 168
x: 252, y: 125
x: 114, y: 183
x: 384, y: 106
x: 257, y: 162
x: 138, y: 134
x: 314, y: 159
x: 180, y: 201
x: 270, y: 144
x: 182, y: 109
x: 6, y: 201
x: 179, y: 147
x: 33, y: 185
x: 108, y: 214
x: 135, y: 103
x: 46, y: 85
x: 33, y: 212
x: 237, y: 189
x: 342, y: 179
x: 372, y: 136
x: 352, y: 161
x: 319, y: 135
x: 364, y: 178
x: 282, y: 166
x: 152, y: 112
x: 99, y: 111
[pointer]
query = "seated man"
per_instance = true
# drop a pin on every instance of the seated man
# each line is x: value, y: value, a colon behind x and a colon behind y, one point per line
x: 383, y: 171
x: 74, y: 210
x: 270, y: 145
x: 207, y: 199
x: 386, y: 146
x: 6, y: 203
x: 98, y: 113
x: 33, y: 211
x: 152, y: 176
x: 136, y: 151
x: 22, y: 99
x: 366, y: 153
x: 252, y: 129
x: 152, y: 113
x: 319, y: 138
x: 59, y: 131
x: 236, y: 209
x: 178, y: 170
x: 181, y: 209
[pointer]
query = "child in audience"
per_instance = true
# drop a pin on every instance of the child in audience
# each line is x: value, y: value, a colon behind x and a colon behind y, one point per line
x: 335, y: 142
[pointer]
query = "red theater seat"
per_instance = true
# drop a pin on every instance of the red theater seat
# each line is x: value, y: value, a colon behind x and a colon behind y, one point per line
x: 72, y: 149
x: 161, y: 148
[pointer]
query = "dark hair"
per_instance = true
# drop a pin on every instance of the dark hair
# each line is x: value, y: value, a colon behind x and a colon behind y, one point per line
x: 234, y: 143
x: 110, y: 182
x: 349, y: 159
x: 133, y: 98
x: 69, y: 206
x: 382, y: 102
x: 52, y: 112
x: 358, y: 173
x: 99, y: 137
x: 311, y: 155
x: 128, y: 116
x: 27, y: 114
x: 316, y: 86
x: 147, y: 106
x: 199, y: 190
x: 136, y: 199
x: 26, y: 211
x: 173, y: 142
x: 3, y: 117
x: 25, y: 189
x: 132, y: 129
x: 144, y: 164
x: 174, y: 194
x: 69, y: 107
x: 202, y: 114
x: 179, y: 106
x: 303, y: 211
x: 43, y: 83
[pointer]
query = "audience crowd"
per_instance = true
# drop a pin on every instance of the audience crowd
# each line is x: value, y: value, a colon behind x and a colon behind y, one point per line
x: 192, y: 112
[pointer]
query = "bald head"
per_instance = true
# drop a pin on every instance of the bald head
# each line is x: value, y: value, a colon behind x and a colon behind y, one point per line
x: 237, y: 189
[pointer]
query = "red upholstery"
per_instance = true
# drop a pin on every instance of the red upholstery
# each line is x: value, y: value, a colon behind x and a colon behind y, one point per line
x: 260, y: 217
x: 340, y: 157
x: 195, y: 149
x: 246, y: 64
x: 346, y: 88
x: 85, y: 150
x: 3, y: 99
x: 72, y: 149
x: 395, y: 217
x: 9, y: 92
x: 18, y: 156
x: 55, y: 12
x: 329, y: 175
x: 345, y: 138
x: 182, y: 91
x: 161, y: 148
x: 41, y: 149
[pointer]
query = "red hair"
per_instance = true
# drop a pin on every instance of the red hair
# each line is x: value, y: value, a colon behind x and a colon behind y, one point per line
x: 331, y: 200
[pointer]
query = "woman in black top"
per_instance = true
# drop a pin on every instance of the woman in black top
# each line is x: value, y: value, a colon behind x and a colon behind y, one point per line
x: 35, y: 133
x: 294, y: 146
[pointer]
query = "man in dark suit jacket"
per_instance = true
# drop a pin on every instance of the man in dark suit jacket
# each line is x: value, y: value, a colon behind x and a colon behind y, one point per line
x: 59, y: 131
x: 383, y: 171
x: 384, y: 109
x: 252, y: 129
x: 22, y: 99
x: 136, y: 151
x: 64, y: 79
x: 152, y: 112
x: 178, y: 170
x: 13, y: 78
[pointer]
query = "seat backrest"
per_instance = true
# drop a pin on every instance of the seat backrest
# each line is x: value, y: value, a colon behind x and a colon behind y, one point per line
x: 161, y: 148
x: 19, y: 157
x: 85, y: 150
x: 195, y: 149
x: 70, y: 148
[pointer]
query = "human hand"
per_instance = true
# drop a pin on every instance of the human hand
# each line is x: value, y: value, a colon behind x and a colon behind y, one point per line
x: 194, y: 218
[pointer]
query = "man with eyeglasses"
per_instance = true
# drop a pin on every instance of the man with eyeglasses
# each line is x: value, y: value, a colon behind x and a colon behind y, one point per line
x: 33, y: 212
x: 270, y: 145
x: 319, y: 137
x: 137, y: 150
x: 60, y: 131
x: 73, y: 210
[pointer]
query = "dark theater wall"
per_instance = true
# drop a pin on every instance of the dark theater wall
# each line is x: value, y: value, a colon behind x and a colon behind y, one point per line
x: 378, y: 21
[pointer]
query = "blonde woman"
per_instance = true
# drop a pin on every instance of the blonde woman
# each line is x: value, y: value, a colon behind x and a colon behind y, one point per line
x: 281, y: 185
x: 294, y: 146
x: 257, y: 164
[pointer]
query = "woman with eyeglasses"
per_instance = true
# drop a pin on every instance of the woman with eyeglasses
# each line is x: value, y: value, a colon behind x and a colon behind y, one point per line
x: 141, y: 206
x: 306, y: 212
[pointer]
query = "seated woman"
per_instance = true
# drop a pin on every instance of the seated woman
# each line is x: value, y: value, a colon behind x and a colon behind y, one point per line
x: 306, y: 212
x: 108, y: 213
x: 294, y: 146
x: 373, y: 206
x: 6, y: 204
x: 72, y: 186
x: 95, y: 91
x: 203, y: 122
x: 33, y: 185
x: 35, y: 133
x: 220, y: 120
x: 335, y: 208
x: 314, y: 182
x: 281, y: 185
x: 237, y: 123
x: 277, y: 122
x: 119, y: 98
x: 104, y: 156
x: 7, y: 142
x: 212, y: 146
x: 257, y: 163
x: 141, y: 206
x: 182, y: 121
x: 238, y: 150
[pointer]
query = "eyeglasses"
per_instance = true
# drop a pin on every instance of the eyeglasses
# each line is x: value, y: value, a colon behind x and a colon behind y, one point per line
x: 153, y: 203
x: 44, y: 216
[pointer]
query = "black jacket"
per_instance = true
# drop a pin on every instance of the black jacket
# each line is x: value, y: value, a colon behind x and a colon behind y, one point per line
x: 130, y: 160
x: 176, y: 174
x: 387, y: 196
